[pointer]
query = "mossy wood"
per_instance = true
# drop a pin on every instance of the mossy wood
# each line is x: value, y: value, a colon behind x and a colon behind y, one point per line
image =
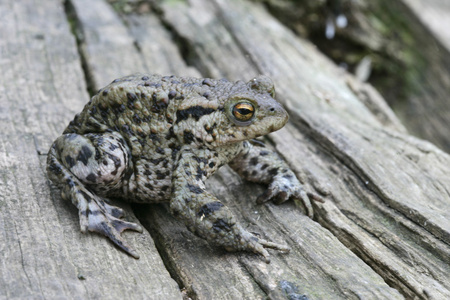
x: 383, y: 231
x: 405, y: 42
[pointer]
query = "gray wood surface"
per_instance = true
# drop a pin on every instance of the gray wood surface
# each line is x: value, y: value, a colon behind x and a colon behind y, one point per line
x: 400, y: 46
x: 383, y: 231
x: 43, y: 254
x: 434, y: 14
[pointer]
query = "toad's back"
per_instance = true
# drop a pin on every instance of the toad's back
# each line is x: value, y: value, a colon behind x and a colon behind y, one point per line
x: 156, y: 116
x: 144, y: 108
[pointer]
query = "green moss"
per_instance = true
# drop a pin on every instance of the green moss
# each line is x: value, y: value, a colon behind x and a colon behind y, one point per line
x: 398, y: 67
x: 401, y: 64
x: 378, y: 24
x: 173, y: 2
x: 120, y: 6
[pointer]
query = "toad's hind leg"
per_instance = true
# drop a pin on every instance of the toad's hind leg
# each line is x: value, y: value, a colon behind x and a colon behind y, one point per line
x: 86, y: 166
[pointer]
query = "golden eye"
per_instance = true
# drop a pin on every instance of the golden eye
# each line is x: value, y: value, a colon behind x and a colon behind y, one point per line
x: 243, y: 111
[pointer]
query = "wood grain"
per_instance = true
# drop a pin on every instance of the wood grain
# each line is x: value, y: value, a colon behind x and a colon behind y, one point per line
x: 383, y: 231
x: 43, y: 253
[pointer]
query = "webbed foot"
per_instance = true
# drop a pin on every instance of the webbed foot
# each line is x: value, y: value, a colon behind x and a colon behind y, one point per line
x: 98, y: 216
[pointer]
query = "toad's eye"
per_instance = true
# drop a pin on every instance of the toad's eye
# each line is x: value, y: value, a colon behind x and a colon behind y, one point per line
x: 243, y: 111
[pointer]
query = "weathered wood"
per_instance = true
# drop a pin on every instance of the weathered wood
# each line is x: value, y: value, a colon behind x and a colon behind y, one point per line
x: 434, y: 14
x: 407, y: 42
x: 397, y: 182
x: 43, y: 253
x: 382, y: 233
x: 189, y: 266
x: 204, y: 276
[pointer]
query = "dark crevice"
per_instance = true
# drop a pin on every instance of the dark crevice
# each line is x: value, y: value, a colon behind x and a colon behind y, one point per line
x: 390, y: 278
x: 78, y: 32
x: 38, y: 147
x: 255, y: 280
x: 347, y: 239
x: 136, y: 43
x: 187, y: 50
x: 236, y: 40
x: 329, y: 149
x: 333, y: 151
x: 166, y: 257
x: 126, y: 23
x: 404, y: 226
x: 137, y: 46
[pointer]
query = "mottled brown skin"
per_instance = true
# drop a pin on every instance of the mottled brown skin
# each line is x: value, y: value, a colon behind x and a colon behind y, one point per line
x: 148, y: 138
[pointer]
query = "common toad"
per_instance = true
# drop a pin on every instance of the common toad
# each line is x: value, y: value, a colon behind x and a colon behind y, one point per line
x: 152, y: 138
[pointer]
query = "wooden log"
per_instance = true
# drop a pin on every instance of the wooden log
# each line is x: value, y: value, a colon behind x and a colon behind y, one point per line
x: 434, y: 16
x: 395, y: 181
x: 406, y: 42
x: 382, y: 233
x: 43, y: 254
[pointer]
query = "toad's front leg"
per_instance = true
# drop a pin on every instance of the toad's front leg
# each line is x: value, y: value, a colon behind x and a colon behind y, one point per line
x: 259, y: 164
x: 86, y: 166
x: 205, y: 215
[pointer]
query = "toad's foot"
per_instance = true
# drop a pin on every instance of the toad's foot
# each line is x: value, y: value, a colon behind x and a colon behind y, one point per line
x: 98, y: 216
x: 286, y: 186
x: 258, y: 164
x: 250, y: 242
